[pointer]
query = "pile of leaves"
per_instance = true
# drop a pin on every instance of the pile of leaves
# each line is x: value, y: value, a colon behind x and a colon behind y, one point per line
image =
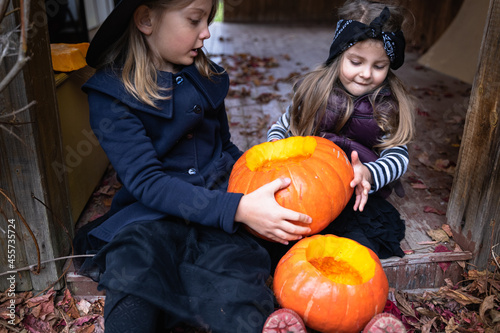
x: 473, y: 305
x: 50, y: 314
x: 470, y: 306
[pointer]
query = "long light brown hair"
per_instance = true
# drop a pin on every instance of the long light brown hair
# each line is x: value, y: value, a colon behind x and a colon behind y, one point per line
x: 314, y: 89
x: 131, y: 54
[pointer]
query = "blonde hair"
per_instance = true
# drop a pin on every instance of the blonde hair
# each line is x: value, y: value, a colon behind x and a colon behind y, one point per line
x: 314, y: 89
x: 131, y: 54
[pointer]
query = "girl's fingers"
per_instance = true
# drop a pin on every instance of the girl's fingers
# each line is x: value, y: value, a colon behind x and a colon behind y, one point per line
x: 288, y: 232
x: 294, y: 229
x: 279, y: 184
x: 357, y: 202
x: 293, y: 216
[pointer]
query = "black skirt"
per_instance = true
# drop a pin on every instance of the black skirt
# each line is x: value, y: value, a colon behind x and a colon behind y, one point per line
x: 379, y: 227
x: 196, y: 275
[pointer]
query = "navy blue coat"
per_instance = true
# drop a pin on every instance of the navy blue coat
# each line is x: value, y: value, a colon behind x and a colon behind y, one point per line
x: 174, y: 160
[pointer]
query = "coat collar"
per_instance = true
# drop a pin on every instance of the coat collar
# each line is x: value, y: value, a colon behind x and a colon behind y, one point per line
x: 214, y: 89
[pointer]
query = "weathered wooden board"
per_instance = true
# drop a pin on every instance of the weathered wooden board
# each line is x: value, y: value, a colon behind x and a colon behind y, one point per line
x: 474, y: 207
x: 421, y: 271
x: 32, y: 183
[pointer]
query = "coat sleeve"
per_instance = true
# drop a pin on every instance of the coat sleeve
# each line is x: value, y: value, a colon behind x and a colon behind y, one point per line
x: 132, y: 154
x: 227, y: 144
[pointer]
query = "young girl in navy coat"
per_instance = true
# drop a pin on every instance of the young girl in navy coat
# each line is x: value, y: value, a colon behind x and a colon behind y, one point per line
x: 171, y: 249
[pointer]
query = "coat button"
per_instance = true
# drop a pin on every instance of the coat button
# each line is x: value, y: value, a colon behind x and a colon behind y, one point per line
x: 179, y: 80
x: 197, y: 109
x: 192, y: 171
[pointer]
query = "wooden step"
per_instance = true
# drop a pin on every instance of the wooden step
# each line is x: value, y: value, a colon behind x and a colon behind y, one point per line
x: 82, y: 286
x: 425, y: 270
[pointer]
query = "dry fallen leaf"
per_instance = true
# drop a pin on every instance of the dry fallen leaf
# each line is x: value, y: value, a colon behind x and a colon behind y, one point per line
x: 487, y: 304
x: 403, y: 305
x: 459, y: 296
x: 451, y: 327
x: 418, y: 186
x: 495, y: 316
x: 446, y: 228
x: 444, y: 265
x: 429, y: 209
x: 426, y: 328
x: 438, y: 235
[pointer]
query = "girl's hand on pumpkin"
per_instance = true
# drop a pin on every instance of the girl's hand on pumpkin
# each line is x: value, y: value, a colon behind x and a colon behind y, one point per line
x: 260, y: 211
x: 361, y: 182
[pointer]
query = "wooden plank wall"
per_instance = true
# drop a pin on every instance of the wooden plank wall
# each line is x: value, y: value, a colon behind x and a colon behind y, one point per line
x: 27, y: 176
x: 431, y: 17
x: 474, y: 206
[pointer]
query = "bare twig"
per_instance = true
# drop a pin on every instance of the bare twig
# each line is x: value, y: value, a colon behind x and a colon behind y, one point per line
x: 11, y: 132
x: 3, y: 125
x: 58, y: 220
x: 3, y: 8
x: 8, y: 47
x: 495, y: 255
x: 22, y: 59
x: 31, y: 267
x: 24, y: 108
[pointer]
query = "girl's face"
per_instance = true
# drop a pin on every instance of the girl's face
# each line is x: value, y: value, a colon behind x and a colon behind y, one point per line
x: 177, y: 34
x: 364, y: 67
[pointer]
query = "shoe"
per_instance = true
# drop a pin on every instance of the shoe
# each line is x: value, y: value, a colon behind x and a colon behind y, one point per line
x: 284, y: 321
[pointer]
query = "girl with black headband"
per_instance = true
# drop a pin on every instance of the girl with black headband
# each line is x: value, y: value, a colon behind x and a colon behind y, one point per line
x: 355, y: 100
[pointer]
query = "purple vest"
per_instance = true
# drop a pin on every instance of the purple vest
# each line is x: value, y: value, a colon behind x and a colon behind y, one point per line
x: 361, y: 132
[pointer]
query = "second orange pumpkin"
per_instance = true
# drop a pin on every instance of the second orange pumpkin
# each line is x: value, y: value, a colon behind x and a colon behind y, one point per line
x: 335, y: 284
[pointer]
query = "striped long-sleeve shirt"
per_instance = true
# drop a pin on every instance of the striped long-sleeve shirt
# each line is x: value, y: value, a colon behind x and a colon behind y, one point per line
x: 390, y: 166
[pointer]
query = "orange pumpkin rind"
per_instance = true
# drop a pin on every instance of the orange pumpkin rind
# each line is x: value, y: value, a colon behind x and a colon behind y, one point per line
x: 320, y: 172
x: 328, y: 298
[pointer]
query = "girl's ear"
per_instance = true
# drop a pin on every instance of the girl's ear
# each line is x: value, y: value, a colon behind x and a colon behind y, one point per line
x: 143, y: 20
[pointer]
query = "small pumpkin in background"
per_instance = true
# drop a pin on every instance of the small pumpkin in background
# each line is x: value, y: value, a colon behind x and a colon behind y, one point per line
x: 320, y: 172
x: 68, y: 57
x: 335, y: 284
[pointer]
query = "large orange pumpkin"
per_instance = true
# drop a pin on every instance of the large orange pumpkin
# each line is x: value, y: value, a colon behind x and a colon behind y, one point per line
x: 335, y: 284
x: 320, y: 172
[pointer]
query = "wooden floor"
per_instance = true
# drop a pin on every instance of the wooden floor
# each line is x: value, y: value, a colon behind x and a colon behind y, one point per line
x: 260, y: 58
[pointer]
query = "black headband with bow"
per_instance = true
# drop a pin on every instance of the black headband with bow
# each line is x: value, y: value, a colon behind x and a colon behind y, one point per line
x: 350, y: 32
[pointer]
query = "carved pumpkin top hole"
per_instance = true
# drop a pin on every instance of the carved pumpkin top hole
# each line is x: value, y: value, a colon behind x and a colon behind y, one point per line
x: 272, y: 155
x: 341, y: 260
